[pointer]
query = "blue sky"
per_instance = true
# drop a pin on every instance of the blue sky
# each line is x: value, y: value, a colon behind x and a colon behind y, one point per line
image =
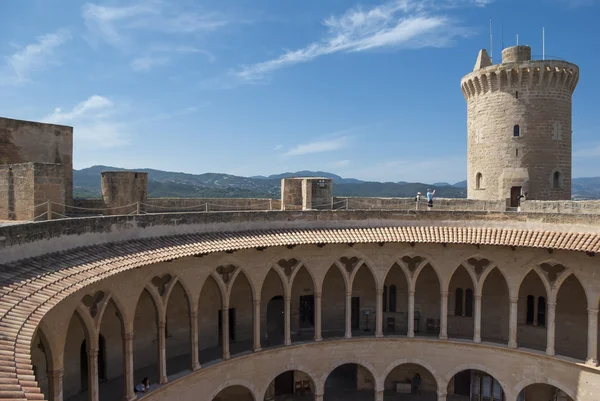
x: 368, y: 89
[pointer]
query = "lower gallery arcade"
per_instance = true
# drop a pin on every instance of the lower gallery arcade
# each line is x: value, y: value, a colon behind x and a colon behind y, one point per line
x: 384, y: 322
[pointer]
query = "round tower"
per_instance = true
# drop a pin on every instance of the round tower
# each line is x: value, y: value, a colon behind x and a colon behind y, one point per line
x: 519, y: 126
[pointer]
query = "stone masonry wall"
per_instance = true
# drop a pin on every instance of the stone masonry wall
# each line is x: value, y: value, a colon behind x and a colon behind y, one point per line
x: 26, y: 141
x: 536, y: 96
x: 291, y: 194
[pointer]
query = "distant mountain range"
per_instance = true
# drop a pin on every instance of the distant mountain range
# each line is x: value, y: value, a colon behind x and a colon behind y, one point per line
x: 162, y: 184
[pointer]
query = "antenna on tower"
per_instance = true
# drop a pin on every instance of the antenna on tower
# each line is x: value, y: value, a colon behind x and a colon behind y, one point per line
x: 491, y: 47
x: 502, y: 24
x: 517, y: 39
x: 543, y: 44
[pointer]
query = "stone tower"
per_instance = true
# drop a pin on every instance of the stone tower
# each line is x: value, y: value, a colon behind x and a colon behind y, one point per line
x: 519, y: 126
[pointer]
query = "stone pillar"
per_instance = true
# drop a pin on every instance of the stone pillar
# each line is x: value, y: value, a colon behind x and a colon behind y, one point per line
x: 379, y: 395
x: 441, y: 397
x: 512, y: 324
x: 55, y: 385
x: 349, y: 314
x: 93, y: 394
x: 194, y: 339
x: 411, y: 313
x: 128, y: 379
x: 379, y: 314
x: 225, y: 332
x: 550, y: 336
x: 318, y: 336
x: 444, y: 316
x: 318, y: 397
x: 477, y: 334
x: 288, y: 319
x: 256, y: 317
x: 592, y: 348
x: 162, y: 353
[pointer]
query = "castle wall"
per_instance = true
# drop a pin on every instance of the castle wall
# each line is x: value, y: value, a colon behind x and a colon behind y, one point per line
x: 291, y: 194
x: 534, y: 96
x: 26, y: 141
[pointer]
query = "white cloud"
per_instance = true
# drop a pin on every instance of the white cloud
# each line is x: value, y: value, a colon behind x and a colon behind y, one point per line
x: 94, y: 123
x: 341, y: 163
x: 33, y: 57
x: 146, y: 63
x: 325, y: 145
x: 114, y: 25
x: 396, y: 24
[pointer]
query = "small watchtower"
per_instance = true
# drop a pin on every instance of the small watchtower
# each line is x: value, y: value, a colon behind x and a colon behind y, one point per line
x: 519, y: 126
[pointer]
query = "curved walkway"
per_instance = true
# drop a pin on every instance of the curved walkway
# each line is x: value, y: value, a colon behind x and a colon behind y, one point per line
x: 31, y: 287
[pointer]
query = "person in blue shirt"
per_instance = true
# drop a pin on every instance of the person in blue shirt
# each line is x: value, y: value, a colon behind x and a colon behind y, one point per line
x: 430, y: 198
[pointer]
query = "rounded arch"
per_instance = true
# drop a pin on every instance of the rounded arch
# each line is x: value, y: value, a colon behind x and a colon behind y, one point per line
x: 523, y: 384
x: 479, y: 181
x: 356, y: 361
x: 230, y: 383
x: 284, y: 369
x: 404, y: 361
x: 475, y: 366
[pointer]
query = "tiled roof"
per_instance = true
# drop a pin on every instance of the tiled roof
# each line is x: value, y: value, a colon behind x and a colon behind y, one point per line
x: 31, y: 287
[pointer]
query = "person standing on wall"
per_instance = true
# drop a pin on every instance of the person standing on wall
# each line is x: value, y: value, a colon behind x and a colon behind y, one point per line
x: 430, y: 199
x: 418, y: 200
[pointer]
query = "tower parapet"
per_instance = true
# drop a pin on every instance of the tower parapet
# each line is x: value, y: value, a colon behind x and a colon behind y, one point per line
x: 519, y: 126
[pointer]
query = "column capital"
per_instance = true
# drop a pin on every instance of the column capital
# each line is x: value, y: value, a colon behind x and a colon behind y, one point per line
x: 194, y: 313
x: 287, y: 298
x: 551, y: 305
x: 348, y: 294
x: 477, y: 297
x: 162, y: 324
x: 411, y: 293
x: 318, y: 294
x: 128, y: 336
x: 514, y: 300
x: 444, y: 293
x: 92, y: 353
x: 592, y: 311
x: 380, y: 291
x: 256, y: 301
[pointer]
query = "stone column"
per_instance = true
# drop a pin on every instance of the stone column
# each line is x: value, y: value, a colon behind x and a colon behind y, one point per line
x: 55, y: 385
x: 162, y: 353
x: 318, y: 397
x: 194, y: 339
x: 550, y: 327
x: 93, y: 394
x: 592, y: 348
x: 128, y: 379
x: 441, y: 397
x: 288, y: 319
x: 444, y: 316
x: 349, y: 314
x: 411, y: 313
x: 512, y: 324
x: 256, y: 317
x: 225, y: 332
x: 379, y: 395
x: 318, y: 336
x: 379, y: 314
x: 477, y: 334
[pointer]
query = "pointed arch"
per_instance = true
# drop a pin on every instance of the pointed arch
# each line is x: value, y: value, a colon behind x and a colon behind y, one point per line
x: 145, y: 324
x: 495, y: 307
x: 571, y: 312
x: 424, y: 264
x: 272, y: 307
x: 302, y: 287
x: 333, y: 302
x: 42, y: 360
x: 395, y: 317
x: 79, y: 334
x: 241, y: 271
x: 210, y: 302
x: 427, y: 287
x: 360, y: 265
x: 177, y: 328
x: 364, y: 295
x: 186, y: 291
x: 241, y: 313
x: 534, y: 292
x: 460, y: 303
x: 111, y: 327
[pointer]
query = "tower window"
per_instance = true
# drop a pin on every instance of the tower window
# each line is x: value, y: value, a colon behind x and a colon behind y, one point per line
x: 516, y: 94
x: 517, y: 152
x: 516, y: 130
x: 479, y: 181
x: 556, y: 180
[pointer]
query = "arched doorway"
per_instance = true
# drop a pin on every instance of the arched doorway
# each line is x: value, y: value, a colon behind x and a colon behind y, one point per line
x: 241, y: 316
x: 110, y: 353
x: 293, y: 384
x: 363, y: 303
x: 350, y: 381
x: 234, y: 393
x: 542, y: 392
x: 460, y: 304
x: 571, y: 319
x: 410, y: 380
x: 145, y: 340
x: 209, y: 310
x: 531, y: 315
x: 177, y: 331
x: 474, y: 385
x: 495, y: 307
x: 427, y: 303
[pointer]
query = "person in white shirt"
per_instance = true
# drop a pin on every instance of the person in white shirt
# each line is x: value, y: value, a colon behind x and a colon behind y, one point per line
x: 430, y: 199
x: 418, y: 199
x: 143, y: 386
